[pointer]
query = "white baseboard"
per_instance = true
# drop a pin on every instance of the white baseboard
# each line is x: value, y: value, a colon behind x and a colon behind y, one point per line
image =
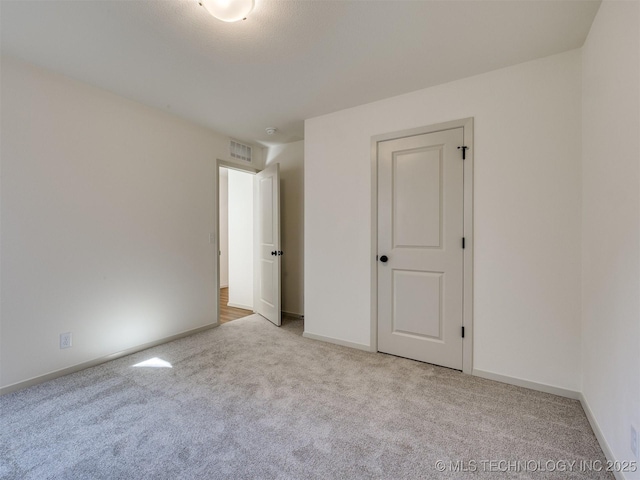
x: 224, y: 286
x: 238, y: 305
x: 92, y: 363
x: 337, y: 341
x: 540, y: 387
x: 563, y: 392
x: 604, y: 445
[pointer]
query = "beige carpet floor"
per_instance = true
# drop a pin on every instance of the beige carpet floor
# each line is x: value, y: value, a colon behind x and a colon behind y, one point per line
x: 248, y: 400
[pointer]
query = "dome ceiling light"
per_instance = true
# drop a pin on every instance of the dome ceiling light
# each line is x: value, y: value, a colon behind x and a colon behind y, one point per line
x: 228, y: 10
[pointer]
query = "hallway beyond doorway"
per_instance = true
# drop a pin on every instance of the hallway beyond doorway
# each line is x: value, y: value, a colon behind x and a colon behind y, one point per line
x: 230, y: 313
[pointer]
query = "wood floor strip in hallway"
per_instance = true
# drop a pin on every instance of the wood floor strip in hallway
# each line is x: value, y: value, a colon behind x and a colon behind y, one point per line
x: 230, y: 313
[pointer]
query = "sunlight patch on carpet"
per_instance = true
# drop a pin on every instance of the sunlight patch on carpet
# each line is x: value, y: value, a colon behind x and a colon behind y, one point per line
x: 154, y: 362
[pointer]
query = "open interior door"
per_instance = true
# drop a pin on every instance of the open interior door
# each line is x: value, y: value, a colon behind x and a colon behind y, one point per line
x: 266, y: 283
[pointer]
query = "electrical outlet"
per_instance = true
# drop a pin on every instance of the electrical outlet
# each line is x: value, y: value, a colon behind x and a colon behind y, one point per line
x: 65, y: 340
x: 634, y: 443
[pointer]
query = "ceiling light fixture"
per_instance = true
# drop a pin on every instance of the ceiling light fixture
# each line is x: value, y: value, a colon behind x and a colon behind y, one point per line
x: 228, y: 10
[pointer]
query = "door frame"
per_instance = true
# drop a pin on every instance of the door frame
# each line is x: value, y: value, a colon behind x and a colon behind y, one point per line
x: 216, y: 222
x: 467, y: 294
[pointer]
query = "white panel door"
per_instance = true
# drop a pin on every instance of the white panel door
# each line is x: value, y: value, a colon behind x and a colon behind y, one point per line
x: 266, y: 282
x: 420, y: 230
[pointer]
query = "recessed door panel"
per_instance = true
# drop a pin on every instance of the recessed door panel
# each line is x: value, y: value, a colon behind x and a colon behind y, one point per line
x: 417, y: 303
x: 266, y: 288
x: 266, y: 210
x: 417, y: 198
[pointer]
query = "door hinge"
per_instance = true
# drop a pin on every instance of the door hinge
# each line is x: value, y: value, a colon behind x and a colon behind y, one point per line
x: 462, y: 332
x: 464, y: 151
x: 463, y: 242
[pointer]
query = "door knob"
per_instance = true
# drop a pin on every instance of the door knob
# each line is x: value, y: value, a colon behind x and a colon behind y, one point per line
x: 384, y: 259
x: 274, y: 253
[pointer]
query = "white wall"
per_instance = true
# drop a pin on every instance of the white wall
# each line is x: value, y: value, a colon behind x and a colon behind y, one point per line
x: 223, y: 220
x: 240, y: 239
x: 611, y: 223
x: 291, y: 159
x: 527, y: 214
x: 107, y: 207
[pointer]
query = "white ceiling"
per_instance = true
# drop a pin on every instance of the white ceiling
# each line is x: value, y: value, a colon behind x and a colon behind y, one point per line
x: 291, y: 59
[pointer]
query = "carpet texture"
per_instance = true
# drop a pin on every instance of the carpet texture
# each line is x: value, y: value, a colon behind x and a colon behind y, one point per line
x: 249, y: 400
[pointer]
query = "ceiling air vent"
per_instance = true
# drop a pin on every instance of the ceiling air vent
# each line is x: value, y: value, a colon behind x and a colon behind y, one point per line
x: 239, y: 151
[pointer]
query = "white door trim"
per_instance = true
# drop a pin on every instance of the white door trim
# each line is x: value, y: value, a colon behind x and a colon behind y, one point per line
x: 467, y: 125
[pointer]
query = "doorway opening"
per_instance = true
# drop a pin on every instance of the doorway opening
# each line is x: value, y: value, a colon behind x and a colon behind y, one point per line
x: 236, y: 248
